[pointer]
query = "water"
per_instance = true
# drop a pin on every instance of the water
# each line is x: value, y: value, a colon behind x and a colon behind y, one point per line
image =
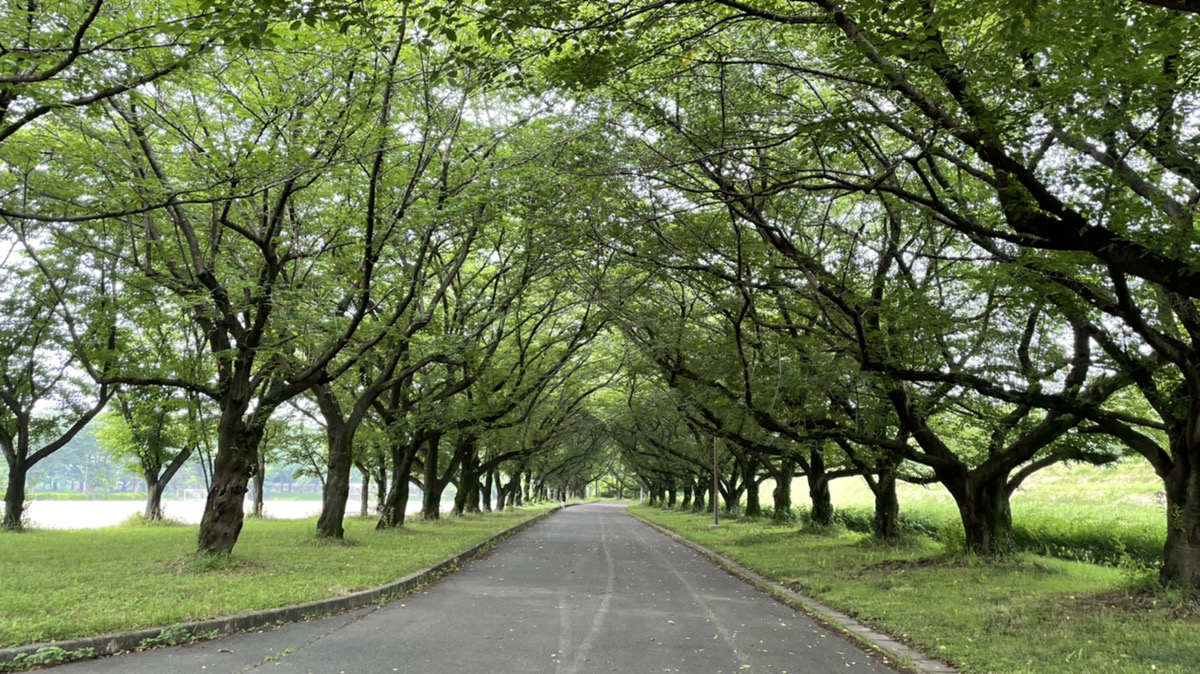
x: 99, y: 514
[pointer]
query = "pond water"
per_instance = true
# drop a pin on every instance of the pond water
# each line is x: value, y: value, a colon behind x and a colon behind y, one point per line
x: 98, y: 514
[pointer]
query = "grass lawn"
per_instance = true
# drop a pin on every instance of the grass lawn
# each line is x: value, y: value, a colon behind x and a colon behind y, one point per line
x: 1028, y: 614
x: 64, y: 584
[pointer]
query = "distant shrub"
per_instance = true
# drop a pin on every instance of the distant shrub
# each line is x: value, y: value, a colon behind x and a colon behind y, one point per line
x: 138, y: 520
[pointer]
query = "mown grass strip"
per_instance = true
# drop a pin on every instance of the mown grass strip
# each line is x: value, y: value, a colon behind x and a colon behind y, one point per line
x: 1024, y: 615
x: 66, y: 584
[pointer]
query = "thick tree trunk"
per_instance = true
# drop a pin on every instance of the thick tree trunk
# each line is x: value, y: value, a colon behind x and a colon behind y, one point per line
x: 487, y: 491
x: 818, y: 490
x: 686, y: 502
x: 983, y: 505
x: 1181, y: 553
x: 431, y: 503
x: 672, y: 494
x: 886, y: 525
x: 699, y: 495
x: 749, y: 467
x: 14, y: 496
x: 154, y: 492
x: 395, y: 504
x: 781, y: 496
x: 237, y: 449
x: 508, y: 493
x: 336, y: 492
x: 466, y: 500
x: 753, y: 503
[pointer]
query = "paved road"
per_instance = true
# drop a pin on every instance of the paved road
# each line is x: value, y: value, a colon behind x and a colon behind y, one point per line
x: 588, y: 590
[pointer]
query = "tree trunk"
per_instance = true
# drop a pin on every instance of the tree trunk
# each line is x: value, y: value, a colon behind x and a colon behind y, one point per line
x: 156, y: 484
x: 14, y: 496
x: 508, y: 494
x: 886, y: 525
x: 686, y: 502
x: 753, y: 503
x: 672, y: 493
x: 818, y: 490
x: 699, y: 493
x: 395, y: 505
x: 260, y: 483
x: 487, y: 490
x: 237, y: 449
x: 1181, y: 553
x: 154, y: 492
x: 364, y: 496
x: 381, y: 486
x: 983, y: 505
x: 431, y: 503
x: 466, y: 500
x: 336, y: 492
x: 781, y: 496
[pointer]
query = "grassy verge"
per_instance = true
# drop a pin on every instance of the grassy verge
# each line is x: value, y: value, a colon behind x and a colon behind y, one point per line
x: 1107, y: 514
x: 1028, y: 614
x: 64, y: 584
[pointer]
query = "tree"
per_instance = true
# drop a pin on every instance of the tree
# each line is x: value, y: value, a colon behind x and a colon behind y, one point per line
x: 266, y: 273
x: 38, y: 370
x: 150, y: 430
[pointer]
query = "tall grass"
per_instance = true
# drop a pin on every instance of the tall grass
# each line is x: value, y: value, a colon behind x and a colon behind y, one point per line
x: 1108, y: 514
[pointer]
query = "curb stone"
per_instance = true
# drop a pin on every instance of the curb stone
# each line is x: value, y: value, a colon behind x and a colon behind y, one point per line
x: 112, y: 644
x: 885, y: 644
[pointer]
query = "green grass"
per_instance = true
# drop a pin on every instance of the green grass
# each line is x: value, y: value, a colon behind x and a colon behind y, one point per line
x: 64, y: 584
x: 1027, y: 614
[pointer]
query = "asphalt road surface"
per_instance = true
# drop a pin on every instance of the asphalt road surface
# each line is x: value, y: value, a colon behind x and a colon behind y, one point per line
x: 590, y: 589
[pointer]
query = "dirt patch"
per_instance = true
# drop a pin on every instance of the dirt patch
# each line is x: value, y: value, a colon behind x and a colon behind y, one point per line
x: 909, y: 564
x: 1176, y: 607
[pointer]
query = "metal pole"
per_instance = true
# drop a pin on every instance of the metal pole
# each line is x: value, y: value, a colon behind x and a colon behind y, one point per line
x: 716, y: 507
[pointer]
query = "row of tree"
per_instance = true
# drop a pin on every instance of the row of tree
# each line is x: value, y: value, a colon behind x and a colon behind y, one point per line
x: 287, y: 215
x: 938, y: 241
x: 929, y: 239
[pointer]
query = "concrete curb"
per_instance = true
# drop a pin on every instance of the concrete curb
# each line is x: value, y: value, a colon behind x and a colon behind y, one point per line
x: 894, y: 650
x: 111, y: 644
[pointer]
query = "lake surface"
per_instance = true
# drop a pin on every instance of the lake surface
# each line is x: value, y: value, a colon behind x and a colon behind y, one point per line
x: 99, y: 514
